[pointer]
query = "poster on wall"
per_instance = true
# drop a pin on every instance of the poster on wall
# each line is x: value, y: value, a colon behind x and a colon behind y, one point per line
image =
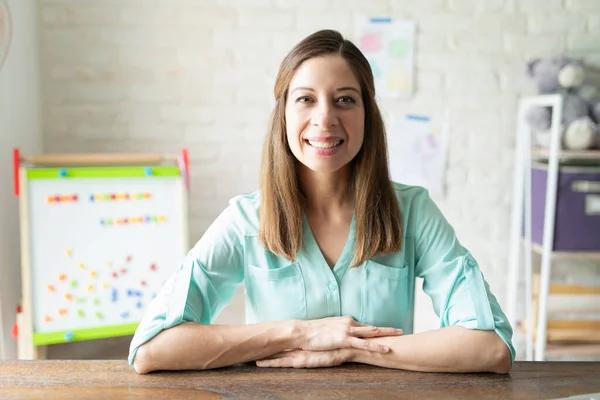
x: 389, y: 46
x: 417, y: 147
x: 5, y: 31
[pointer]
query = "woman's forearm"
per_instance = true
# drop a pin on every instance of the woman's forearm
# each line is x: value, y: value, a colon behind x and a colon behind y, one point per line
x: 196, y: 346
x: 451, y: 349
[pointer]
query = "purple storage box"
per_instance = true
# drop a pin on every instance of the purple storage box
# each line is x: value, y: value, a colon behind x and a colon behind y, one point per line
x: 577, y: 219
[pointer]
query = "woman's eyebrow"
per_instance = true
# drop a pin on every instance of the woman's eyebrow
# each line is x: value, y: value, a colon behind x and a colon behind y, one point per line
x: 341, y: 89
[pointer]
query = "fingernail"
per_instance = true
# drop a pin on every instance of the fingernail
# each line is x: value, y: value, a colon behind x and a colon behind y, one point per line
x: 386, y: 349
x: 399, y: 330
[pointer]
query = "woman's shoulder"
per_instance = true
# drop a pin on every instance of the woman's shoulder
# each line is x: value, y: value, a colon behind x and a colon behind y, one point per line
x: 409, y: 193
x: 243, y: 210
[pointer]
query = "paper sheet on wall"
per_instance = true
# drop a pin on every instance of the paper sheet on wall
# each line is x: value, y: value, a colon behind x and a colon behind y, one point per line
x: 417, y: 147
x: 389, y: 47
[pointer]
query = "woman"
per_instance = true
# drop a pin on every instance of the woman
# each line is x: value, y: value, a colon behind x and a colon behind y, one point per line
x: 329, y: 263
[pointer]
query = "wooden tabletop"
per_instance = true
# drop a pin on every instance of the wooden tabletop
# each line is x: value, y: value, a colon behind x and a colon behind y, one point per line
x: 115, y: 379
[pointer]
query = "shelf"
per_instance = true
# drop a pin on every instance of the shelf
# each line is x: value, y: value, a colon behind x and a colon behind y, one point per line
x: 544, y: 153
x: 584, y: 349
x: 572, y: 255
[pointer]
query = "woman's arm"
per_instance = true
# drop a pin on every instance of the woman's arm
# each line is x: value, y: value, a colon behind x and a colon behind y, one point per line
x: 451, y: 349
x: 199, y: 346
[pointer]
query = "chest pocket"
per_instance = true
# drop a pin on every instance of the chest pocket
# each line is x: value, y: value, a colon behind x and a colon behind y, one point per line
x: 275, y: 294
x: 387, y: 294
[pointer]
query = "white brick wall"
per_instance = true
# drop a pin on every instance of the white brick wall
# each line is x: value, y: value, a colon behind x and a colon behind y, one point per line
x: 126, y: 76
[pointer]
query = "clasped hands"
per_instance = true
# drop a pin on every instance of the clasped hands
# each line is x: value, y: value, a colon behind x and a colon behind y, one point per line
x: 330, y: 342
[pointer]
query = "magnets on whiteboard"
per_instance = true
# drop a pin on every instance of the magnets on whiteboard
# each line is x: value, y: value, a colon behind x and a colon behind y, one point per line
x: 73, y: 283
x: 92, y: 274
x: 62, y: 311
x: 99, y: 315
x: 80, y: 300
x: 114, y: 295
x: 115, y: 275
x: 113, y: 196
x: 74, y: 197
x: 96, y: 301
x: 105, y: 285
x: 147, y: 195
x: 155, y: 219
x: 153, y: 295
x: 50, y: 199
x: 68, y: 252
x: 80, y: 313
x: 98, y: 197
x: 125, y: 220
x: 62, y: 173
x: 125, y: 314
x: 148, y: 171
x: 81, y: 266
x: 153, y: 267
x: 106, y: 197
x: 101, y: 222
x: 15, y: 331
x: 57, y: 199
x: 128, y: 259
x: 51, y: 288
x: 143, y: 283
x: 162, y: 218
x: 62, y: 277
x: 68, y: 296
x: 48, y: 318
x: 148, y: 218
x: 139, y: 304
x: 68, y: 336
x: 92, y: 198
x: 129, y: 292
x: 90, y: 288
x: 108, y: 263
x: 123, y: 271
x: 126, y: 196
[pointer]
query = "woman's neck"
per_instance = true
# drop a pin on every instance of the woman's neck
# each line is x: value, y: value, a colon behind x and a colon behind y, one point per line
x: 327, y: 194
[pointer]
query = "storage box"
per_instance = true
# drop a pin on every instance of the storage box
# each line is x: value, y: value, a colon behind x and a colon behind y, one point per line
x: 577, y: 220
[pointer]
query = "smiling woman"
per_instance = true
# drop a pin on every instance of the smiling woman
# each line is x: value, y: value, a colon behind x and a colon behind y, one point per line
x: 328, y: 249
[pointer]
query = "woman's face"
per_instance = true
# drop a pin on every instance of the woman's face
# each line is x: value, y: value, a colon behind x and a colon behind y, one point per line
x: 324, y: 114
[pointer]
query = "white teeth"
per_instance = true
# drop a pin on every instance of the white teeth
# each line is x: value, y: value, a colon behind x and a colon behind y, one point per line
x: 324, y: 145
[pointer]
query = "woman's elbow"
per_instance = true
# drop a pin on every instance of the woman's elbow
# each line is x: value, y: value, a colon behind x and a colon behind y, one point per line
x: 140, y: 361
x: 503, y: 360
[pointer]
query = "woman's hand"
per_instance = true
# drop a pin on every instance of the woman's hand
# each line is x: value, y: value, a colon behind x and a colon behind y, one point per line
x: 342, y: 333
x: 306, y: 359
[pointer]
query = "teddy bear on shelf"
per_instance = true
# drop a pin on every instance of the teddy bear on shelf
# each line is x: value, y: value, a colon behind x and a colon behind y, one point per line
x: 579, y: 84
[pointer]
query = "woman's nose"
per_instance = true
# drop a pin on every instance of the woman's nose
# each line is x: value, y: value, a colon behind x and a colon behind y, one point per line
x: 325, y: 117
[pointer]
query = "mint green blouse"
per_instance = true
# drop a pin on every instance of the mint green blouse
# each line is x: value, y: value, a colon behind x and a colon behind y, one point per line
x: 379, y: 292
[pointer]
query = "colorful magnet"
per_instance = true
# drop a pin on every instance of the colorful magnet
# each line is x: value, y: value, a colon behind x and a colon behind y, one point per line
x: 92, y: 274
x: 48, y: 318
x: 115, y: 275
x: 105, y: 285
x: 108, y: 263
x: 92, y: 198
x: 68, y: 252
x: 90, y: 288
x: 143, y: 283
x: 81, y: 266
x: 128, y: 259
x: 73, y: 283
x: 139, y: 304
x: 74, y: 197
x: 113, y: 296
x: 123, y: 271
x: 125, y: 314
x: 50, y: 199
x: 99, y: 315
x: 68, y: 336
x: 80, y: 313
x: 153, y: 296
x: 80, y: 300
x: 113, y: 196
x: 153, y: 267
x: 147, y: 195
x: 148, y: 171
x: 96, y: 301
x: 162, y: 218
x: 68, y: 296
x: 62, y: 311
x: 62, y: 277
x: 51, y: 288
x: 62, y: 173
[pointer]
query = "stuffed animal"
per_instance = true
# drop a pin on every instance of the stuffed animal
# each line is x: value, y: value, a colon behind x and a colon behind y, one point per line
x: 579, y: 85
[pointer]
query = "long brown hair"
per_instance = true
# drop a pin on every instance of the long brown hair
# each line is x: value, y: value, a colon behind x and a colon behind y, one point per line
x: 378, y: 221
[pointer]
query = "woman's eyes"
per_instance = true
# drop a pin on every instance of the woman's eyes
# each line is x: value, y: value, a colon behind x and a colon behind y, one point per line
x: 342, y: 99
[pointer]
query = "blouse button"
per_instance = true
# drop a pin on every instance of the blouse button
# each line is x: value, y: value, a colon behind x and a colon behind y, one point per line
x: 332, y: 286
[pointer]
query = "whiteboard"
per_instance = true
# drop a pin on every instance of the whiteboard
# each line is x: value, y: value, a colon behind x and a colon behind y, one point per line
x: 101, y: 248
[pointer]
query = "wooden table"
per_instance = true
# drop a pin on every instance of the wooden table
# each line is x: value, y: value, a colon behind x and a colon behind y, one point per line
x: 115, y: 379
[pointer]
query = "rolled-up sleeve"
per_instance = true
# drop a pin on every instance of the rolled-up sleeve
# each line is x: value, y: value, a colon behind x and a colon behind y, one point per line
x: 452, y: 277
x: 202, y: 285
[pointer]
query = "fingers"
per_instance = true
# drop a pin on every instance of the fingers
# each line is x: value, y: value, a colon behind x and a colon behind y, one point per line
x: 368, y: 345
x: 373, y: 331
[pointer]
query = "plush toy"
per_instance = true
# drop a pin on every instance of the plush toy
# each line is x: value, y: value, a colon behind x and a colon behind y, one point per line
x: 580, y: 87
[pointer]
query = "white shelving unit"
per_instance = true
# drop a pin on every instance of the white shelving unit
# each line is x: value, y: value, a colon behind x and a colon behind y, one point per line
x: 521, y: 212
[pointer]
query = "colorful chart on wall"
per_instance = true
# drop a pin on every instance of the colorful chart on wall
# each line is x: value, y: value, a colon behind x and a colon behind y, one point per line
x: 389, y: 47
x: 102, y: 243
x: 5, y: 31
